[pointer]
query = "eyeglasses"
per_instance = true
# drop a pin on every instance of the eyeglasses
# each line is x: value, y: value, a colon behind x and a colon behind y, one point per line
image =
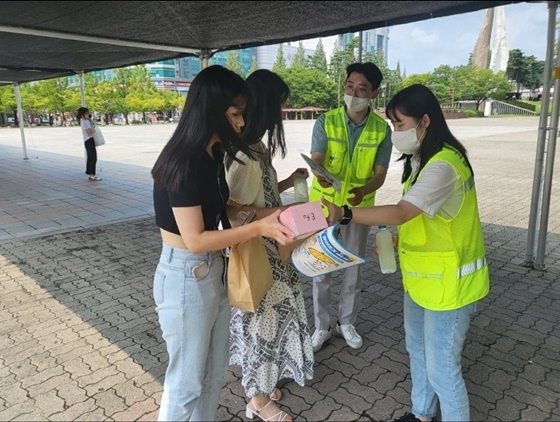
x: 362, y: 91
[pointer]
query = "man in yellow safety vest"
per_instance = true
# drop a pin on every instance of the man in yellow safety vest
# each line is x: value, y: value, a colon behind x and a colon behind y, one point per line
x: 354, y: 144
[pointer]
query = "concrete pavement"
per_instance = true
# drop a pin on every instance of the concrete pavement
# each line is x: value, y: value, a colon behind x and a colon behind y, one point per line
x: 79, y: 338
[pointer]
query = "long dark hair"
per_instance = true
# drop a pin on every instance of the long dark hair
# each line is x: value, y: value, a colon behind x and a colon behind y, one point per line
x: 263, y: 114
x: 416, y: 101
x: 211, y: 93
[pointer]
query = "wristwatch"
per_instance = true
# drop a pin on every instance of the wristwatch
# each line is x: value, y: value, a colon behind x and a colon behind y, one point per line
x: 346, y: 217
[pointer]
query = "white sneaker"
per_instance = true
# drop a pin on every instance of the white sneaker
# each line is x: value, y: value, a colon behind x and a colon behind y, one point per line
x: 349, y: 333
x: 318, y: 338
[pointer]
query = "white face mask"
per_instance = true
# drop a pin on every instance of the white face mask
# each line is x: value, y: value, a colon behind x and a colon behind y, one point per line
x: 355, y: 104
x: 406, y: 141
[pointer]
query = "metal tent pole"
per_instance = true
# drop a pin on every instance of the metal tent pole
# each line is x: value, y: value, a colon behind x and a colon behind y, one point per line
x: 20, y: 120
x: 541, y: 137
x: 549, y: 167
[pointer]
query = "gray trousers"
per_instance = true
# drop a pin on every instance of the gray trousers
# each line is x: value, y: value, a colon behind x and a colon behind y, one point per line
x: 354, y: 237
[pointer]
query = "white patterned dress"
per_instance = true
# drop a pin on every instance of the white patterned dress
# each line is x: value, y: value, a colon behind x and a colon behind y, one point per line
x: 274, y: 342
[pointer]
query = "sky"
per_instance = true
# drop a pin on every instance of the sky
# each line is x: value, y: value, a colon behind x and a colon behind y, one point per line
x: 422, y: 46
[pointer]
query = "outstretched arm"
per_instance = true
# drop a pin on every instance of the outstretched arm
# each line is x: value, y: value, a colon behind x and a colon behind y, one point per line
x: 198, y: 240
x: 385, y: 215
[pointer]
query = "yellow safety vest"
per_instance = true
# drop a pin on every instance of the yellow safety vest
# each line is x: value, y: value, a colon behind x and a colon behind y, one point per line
x: 443, y: 261
x: 352, y: 173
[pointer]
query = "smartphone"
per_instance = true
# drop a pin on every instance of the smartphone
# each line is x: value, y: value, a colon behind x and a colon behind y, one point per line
x: 200, y: 271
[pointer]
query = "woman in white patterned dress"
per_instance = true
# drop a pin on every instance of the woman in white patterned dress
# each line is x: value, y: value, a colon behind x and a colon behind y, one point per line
x: 273, y: 343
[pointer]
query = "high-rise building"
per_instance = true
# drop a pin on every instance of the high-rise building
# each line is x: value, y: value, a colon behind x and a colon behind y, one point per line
x: 372, y: 40
x: 267, y: 54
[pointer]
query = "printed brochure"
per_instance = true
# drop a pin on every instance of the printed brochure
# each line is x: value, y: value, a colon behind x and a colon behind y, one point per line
x: 322, y: 253
x: 318, y: 168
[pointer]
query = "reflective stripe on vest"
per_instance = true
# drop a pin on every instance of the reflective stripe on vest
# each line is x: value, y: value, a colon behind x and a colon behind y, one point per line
x: 467, y: 269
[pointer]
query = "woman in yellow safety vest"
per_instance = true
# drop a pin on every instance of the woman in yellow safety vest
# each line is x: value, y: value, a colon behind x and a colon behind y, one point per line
x: 440, y: 247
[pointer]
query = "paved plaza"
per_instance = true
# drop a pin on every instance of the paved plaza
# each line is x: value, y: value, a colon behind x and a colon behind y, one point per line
x: 79, y: 338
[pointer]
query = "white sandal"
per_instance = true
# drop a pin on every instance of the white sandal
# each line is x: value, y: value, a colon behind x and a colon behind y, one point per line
x: 279, y: 417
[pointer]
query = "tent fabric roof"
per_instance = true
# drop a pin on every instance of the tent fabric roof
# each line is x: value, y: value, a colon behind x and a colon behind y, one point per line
x: 60, y: 45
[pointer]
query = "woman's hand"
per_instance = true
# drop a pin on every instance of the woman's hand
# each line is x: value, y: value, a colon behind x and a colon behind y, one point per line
x: 271, y: 227
x: 323, y: 181
x: 358, y: 197
x: 335, y: 213
x: 299, y: 173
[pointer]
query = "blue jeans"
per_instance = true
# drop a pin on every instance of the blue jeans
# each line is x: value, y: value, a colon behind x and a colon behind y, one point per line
x: 191, y: 299
x: 434, y: 341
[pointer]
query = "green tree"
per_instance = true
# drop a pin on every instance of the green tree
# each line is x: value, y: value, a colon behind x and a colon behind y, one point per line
x: 418, y: 78
x: 309, y: 87
x: 526, y: 71
x: 516, y: 67
x: 279, y: 65
x: 233, y: 62
x: 480, y: 84
x: 319, y: 59
x: 299, y: 58
x: 337, y: 67
x: 7, y: 98
x: 535, y: 72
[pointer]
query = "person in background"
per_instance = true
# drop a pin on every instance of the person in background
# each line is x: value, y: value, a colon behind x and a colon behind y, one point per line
x: 190, y: 282
x: 88, y: 129
x: 441, y: 251
x: 272, y: 343
x: 354, y: 144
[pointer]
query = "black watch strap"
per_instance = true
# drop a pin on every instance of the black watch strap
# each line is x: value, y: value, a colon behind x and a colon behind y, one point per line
x: 347, y: 217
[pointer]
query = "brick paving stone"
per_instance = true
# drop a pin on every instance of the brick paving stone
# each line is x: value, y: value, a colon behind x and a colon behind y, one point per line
x: 387, y: 408
x: 41, y: 377
x: 130, y: 392
x: 534, y: 414
x: 71, y: 393
x: 49, y: 384
x: 104, y: 384
x: 351, y: 399
x: 77, y: 368
x: 35, y: 415
x: 509, y: 408
x: 109, y: 401
x: 96, y: 415
x: 76, y: 411
x: 544, y: 396
x: 136, y: 411
x: 480, y: 407
x: 321, y: 410
x: 17, y: 410
x: 298, y: 397
x: 49, y: 403
x: 13, y: 393
x: 345, y: 413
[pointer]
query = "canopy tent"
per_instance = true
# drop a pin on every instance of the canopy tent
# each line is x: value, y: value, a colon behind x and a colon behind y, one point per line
x: 48, y: 39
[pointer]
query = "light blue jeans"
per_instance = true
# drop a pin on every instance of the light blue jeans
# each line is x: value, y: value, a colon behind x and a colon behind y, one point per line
x: 434, y: 341
x: 191, y: 299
